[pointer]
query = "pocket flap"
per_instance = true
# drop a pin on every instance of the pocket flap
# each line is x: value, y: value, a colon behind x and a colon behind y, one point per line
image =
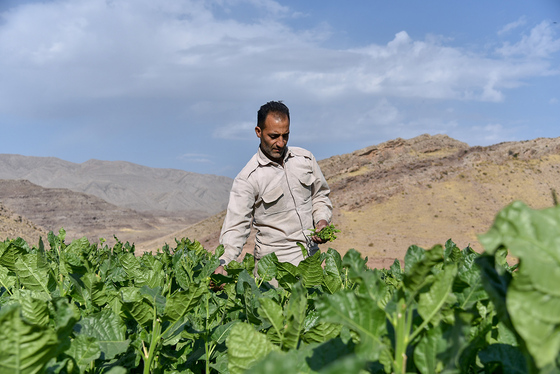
x: 273, y: 195
x: 307, y: 179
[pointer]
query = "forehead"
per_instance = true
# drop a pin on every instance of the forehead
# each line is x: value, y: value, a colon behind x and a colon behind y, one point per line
x: 277, y: 123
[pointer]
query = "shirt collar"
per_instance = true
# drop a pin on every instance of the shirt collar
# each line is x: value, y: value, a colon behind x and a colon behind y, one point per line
x: 264, y: 160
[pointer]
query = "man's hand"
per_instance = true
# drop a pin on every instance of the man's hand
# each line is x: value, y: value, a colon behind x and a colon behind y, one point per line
x: 318, y: 227
x: 221, y: 271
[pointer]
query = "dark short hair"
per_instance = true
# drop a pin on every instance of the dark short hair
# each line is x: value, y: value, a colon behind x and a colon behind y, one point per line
x: 271, y: 107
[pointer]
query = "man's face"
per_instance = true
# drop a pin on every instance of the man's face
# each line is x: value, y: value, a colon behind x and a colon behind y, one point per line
x: 274, y: 136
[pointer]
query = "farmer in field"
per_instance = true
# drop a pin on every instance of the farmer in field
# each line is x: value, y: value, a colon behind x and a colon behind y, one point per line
x: 281, y: 190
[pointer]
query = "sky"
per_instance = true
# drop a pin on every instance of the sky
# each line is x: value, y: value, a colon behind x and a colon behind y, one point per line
x: 177, y: 83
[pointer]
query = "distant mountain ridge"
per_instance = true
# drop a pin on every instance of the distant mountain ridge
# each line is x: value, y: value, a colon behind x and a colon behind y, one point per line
x: 124, y: 184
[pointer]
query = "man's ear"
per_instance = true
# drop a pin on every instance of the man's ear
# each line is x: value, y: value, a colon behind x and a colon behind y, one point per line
x: 258, y: 131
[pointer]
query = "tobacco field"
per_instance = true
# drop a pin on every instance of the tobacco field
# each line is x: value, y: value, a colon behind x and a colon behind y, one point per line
x: 88, y: 308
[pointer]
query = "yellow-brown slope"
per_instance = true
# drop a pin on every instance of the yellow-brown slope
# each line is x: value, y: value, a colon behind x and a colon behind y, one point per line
x: 420, y: 191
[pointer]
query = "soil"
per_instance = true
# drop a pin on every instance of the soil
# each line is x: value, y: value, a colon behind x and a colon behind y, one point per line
x: 422, y: 191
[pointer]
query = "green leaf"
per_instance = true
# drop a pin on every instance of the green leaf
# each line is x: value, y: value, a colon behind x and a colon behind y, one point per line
x: 273, y: 313
x: 427, y: 351
x: 311, y: 270
x: 417, y: 273
x: 533, y: 295
x: 354, y: 262
x: 183, y: 302
x: 508, y: 358
x: 11, y: 254
x: 109, y: 329
x: 33, y: 273
x: 413, y: 255
x: 139, y: 307
x: 7, y: 280
x: 358, y: 313
x: 220, y: 333
x: 322, y: 332
x: 134, y: 271
x: 95, y: 289
x: 266, y: 267
x: 35, y: 311
x: 287, y: 274
x: 432, y: 301
x: 84, y: 350
x: 24, y: 348
x: 295, y: 316
x: 245, y: 347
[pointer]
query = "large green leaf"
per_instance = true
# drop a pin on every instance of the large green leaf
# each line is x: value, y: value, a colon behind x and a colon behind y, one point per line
x: 286, y: 274
x: 24, y: 348
x: 135, y: 272
x: 417, y: 274
x: 427, y: 351
x: 332, y: 279
x: 109, y: 330
x: 7, y: 280
x: 139, y: 307
x: 273, y: 313
x: 245, y: 347
x: 311, y: 270
x: 266, y: 267
x: 10, y: 255
x: 533, y: 295
x: 294, y: 316
x: 84, y: 350
x: 34, y: 310
x: 435, y: 298
x: 508, y: 358
x: 358, y: 313
x: 183, y: 302
x: 33, y: 272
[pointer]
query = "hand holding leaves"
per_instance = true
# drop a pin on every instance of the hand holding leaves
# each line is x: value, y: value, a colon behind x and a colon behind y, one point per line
x: 324, y: 232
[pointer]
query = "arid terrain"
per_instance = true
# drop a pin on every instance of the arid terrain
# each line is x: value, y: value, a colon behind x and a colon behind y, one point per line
x: 386, y: 197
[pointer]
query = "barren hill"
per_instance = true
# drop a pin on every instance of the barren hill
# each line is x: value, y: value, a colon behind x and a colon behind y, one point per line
x: 13, y: 225
x: 421, y: 191
x: 125, y: 184
x: 30, y: 211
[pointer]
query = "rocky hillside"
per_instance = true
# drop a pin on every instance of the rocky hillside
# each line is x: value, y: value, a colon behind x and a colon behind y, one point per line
x: 13, y: 225
x: 125, y: 184
x: 387, y: 197
x: 26, y: 205
x: 422, y: 191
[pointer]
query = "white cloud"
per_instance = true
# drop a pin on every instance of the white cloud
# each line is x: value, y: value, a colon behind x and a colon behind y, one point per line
x: 540, y: 43
x: 513, y: 25
x: 197, y: 65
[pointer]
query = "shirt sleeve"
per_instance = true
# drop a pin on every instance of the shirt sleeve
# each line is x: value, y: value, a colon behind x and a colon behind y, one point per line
x: 322, y: 206
x: 237, y: 223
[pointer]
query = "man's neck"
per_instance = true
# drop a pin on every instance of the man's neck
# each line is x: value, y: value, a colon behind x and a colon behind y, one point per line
x: 277, y: 160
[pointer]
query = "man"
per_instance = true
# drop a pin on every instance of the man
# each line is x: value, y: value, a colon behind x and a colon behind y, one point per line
x: 281, y: 191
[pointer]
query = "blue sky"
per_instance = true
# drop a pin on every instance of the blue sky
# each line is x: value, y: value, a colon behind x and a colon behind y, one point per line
x: 177, y: 83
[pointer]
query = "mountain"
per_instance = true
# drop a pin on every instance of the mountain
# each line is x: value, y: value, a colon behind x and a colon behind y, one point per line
x: 421, y: 191
x: 125, y: 184
x: 80, y: 214
x: 386, y: 197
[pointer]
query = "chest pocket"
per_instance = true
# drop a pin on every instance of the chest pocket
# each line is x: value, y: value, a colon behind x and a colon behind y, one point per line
x: 306, y: 180
x: 274, y: 201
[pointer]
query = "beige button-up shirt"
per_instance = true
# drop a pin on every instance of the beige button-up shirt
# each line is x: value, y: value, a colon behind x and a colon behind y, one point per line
x: 283, y: 202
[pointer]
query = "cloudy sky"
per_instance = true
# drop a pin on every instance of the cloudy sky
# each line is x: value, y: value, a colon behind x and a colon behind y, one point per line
x: 177, y: 83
